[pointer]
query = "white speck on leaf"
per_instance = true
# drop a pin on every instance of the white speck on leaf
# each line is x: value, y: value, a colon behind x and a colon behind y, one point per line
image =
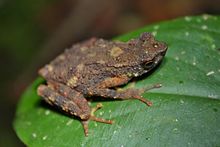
x: 205, y: 17
x: 177, y: 58
x: 213, y: 46
x: 183, y: 52
x: 114, y: 132
x: 44, y: 138
x: 156, y: 27
x: 175, y: 129
x: 101, y: 113
x: 194, y: 61
x: 182, y: 101
x: 34, y: 135
x: 96, y: 124
x: 154, y: 33
x: 187, y: 18
x: 176, y: 120
x: 47, y: 112
x: 210, y: 73
x: 69, y: 122
x: 204, y: 27
x: 187, y: 33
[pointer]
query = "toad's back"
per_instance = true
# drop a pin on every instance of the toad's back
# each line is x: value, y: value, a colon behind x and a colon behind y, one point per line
x: 91, y: 59
x: 95, y: 60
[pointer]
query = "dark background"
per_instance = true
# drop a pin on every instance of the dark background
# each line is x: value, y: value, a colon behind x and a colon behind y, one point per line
x: 32, y: 32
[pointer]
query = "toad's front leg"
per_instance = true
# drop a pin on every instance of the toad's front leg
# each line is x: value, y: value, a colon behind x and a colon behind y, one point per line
x: 70, y: 101
x: 120, y: 94
x: 104, y: 90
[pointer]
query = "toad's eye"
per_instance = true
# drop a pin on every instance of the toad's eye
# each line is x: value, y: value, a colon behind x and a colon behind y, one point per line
x: 148, y: 65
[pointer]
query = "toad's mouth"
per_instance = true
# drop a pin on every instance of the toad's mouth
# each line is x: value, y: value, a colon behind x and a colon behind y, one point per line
x: 158, y: 59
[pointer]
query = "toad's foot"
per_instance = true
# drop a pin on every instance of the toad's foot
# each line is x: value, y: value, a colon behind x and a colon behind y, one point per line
x: 149, y: 103
x: 158, y: 85
x: 94, y: 118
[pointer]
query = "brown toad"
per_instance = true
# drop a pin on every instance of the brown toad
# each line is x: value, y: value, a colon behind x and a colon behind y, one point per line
x: 94, y: 68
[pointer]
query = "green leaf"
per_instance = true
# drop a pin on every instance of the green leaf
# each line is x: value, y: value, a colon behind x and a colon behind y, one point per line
x: 185, y: 111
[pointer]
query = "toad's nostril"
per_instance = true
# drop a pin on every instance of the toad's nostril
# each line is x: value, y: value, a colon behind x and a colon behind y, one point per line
x: 41, y: 89
x: 43, y: 72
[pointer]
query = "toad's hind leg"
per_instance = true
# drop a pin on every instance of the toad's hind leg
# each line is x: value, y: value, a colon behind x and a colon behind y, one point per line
x: 70, y: 101
x: 71, y: 107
